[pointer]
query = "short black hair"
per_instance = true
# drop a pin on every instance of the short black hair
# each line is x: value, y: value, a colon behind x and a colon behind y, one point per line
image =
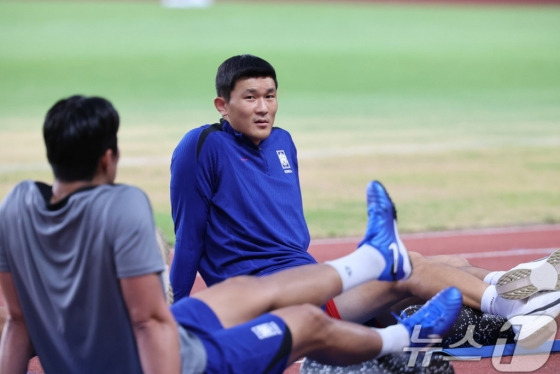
x: 241, y: 66
x: 77, y: 131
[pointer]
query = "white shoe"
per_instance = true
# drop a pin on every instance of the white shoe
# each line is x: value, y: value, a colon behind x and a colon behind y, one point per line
x: 537, y: 321
x: 528, y: 278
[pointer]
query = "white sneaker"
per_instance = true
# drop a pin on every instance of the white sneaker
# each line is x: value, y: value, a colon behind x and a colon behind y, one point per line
x: 528, y: 278
x: 537, y: 321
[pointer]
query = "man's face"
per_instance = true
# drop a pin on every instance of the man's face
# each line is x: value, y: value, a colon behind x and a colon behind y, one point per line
x: 252, y: 107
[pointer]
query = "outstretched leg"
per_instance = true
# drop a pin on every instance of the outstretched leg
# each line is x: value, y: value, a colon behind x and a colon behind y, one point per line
x: 328, y: 340
x: 337, y: 342
x: 240, y: 299
x: 428, y: 278
x: 431, y: 275
x: 273, y: 340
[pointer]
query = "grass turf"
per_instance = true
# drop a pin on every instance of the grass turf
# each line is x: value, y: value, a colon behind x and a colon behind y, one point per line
x: 454, y: 107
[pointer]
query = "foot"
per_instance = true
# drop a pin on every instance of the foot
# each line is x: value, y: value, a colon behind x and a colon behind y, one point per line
x: 430, y: 323
x: 536, y: 322
x: 529, y: 278
x: 383, y: 235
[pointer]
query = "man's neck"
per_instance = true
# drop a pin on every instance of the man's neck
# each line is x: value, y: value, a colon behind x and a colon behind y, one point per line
x: 61, y: 190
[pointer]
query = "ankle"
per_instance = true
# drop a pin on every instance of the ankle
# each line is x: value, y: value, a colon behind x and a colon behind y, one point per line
x: 493, y: 277
x: 394, y: 338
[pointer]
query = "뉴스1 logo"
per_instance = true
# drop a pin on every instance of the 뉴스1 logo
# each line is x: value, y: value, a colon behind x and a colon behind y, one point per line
x: 526, y: 356
x: 284, y: 161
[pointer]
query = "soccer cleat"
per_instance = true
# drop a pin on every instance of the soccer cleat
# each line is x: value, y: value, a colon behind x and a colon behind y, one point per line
x: 537, y: 321
x: 383, y: 235
x: 529, y: 278
x: 433, y: 320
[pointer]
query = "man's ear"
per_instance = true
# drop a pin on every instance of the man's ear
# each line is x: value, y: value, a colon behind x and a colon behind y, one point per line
x: 220, y: 104
x: 104, y: 160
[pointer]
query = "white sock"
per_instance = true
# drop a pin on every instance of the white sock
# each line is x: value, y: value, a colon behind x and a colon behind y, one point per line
x: 363, y: 265
x: 492, y: 303
x: 493, y: 276
x: 394, y: 338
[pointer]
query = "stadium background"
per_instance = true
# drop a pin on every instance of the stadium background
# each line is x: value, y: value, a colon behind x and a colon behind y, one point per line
x: 452, y: 104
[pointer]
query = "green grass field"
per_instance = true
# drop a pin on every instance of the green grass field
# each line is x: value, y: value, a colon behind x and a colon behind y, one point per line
x: 455, y: 108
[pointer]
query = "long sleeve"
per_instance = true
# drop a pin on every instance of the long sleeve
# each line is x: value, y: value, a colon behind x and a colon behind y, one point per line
x: 189, y: 208
x: 237, y: 208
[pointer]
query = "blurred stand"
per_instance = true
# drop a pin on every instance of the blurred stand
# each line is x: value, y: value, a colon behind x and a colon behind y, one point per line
x: 186, y: 3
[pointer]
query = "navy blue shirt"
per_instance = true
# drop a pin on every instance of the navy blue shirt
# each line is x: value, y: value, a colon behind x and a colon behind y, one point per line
x: 237, y: 207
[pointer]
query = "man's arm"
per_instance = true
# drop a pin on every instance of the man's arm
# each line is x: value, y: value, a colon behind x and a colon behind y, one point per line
x: 15, y: 345
x: 155, y: 329
x: 189, y: 192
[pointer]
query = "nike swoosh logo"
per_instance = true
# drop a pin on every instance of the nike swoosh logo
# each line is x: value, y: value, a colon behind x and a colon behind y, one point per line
x: 393, y: 247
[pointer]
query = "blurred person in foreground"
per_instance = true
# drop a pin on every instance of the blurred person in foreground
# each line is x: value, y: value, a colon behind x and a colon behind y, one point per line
x: 80, y: 273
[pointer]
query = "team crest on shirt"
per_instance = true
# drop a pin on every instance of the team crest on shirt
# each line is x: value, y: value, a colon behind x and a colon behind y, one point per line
x: 266, y: 330
x: 284, y: 161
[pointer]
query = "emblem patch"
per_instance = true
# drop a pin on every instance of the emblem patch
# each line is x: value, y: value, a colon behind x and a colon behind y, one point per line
x: 284, y: 161
x: 266, y: 330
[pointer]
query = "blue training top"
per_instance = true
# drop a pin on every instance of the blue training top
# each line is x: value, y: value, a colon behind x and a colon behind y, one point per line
x: 237, y: 207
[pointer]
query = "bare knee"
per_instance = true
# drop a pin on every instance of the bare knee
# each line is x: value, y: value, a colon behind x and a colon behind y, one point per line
x: 309, y: 327
x: 315, y: 317
x: 304, y: 316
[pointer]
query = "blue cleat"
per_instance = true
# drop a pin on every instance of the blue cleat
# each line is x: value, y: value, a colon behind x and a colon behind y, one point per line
x: 430, y: 323
x: 383, y: 235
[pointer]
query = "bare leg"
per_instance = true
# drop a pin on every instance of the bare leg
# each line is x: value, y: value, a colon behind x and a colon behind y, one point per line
x: 461, y: 263
x: 430, y: 275
x: 369, y: 300
x: 339, y: 342
x: 240, y: 299
x: 327, y: 340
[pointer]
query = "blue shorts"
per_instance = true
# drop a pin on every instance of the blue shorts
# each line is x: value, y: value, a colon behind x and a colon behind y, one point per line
x: 262, y: 345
